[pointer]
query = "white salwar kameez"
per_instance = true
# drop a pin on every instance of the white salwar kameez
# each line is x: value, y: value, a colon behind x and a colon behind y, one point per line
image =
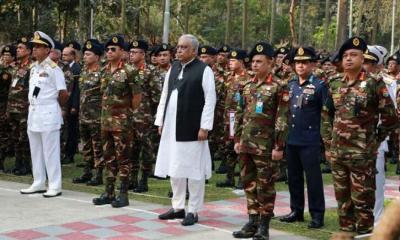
x: 185, y: 160
x: 380, y: 162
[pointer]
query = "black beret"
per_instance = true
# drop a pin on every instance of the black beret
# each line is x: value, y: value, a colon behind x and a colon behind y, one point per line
x: 282, y: 50
x: 116, y: 40
x: 161, y: 48
x: 238, y: 54
x: 224, y: 49
x: 394, y: 57
x: 326, y: 59
x: 94, y: 46
x: 58, y: 45
x: 25, y: 40
x: 335, y: 57
x: 9, y: 49
x: 305, y: 54
x: 74, y: 44
x: 141, y: 44
x: 352, y: 43
x: 262, y: 48
x: 207, y: 50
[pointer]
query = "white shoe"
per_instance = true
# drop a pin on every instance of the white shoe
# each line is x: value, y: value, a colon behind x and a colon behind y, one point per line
x: 33, y: 190
x: 52, y: 193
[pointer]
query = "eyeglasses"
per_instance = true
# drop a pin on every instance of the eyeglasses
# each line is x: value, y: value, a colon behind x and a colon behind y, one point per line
x: 113, y: 49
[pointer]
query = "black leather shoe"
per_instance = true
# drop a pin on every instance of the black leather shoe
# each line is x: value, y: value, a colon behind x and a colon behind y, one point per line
x: 398, y: 169
x: 171, y: 214
x: 316, y: 223
x: 103, y: 199
x: 190, y: 219
x: 293, y: 217
x: 249, y: 229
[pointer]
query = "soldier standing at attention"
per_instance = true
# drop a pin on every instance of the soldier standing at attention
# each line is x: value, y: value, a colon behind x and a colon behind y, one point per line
x: 259, y: 141
x: 90, y: 103
x: 47, y: 91
x: 360, y: 101
x: 234, y: 90
x: 143, y: 153
x: 222, y: 57
x: 17, y: 107
x: 120, y: 87
x: 308, y: 97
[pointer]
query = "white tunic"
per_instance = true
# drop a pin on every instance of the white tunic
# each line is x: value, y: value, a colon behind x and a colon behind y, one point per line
x: 184, y: 159
x: 44, y: 109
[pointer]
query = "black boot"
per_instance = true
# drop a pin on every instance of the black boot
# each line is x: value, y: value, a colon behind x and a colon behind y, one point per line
x: 249, y: 229
x: 98, y: 179
x: 85, y: 177
x: 142, y: 186
x: 222, y: 168
x: 326, y: 168
x: 107, y: 197
x: 398, y: 168
x: 229, y: 181
x: 263, y: 228
x: 122, y: 200
x: 133, y: 180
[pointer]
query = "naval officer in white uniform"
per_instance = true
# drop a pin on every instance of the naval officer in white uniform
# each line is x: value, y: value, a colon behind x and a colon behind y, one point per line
x: 47, y: 91
x: 185, y: 114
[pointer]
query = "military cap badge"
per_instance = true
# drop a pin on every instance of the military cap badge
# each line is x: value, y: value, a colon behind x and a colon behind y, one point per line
x: 115, y: 40
x: 259, y: 48
x: 282, y: 50
x: 225, y: 48
x: 7, y: 49
x: 394, y: 57
x: 164, y: 47
x: 88, y: 45
x: 135, y: 43
x: 246, y: 59
x: 36, y: 36
x: 24, y: 40
x: 300, y: 51
x: 203, y: 50
x: 234, y: 54
x: 356, y: 42
x: 71, y: 45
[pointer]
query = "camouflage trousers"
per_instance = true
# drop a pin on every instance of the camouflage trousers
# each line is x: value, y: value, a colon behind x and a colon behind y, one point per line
x: 354, y: 184
x: 143, y: 152
x: 92, y: 152
x: 259, y: 174
x: 230, y: 155
x: 19, y: 139
x: 116, y: 153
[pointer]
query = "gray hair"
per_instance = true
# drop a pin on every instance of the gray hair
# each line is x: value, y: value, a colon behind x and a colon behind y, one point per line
x: 193, y: 40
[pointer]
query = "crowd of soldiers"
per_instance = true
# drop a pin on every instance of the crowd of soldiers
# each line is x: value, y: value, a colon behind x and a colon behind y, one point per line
x: 251, y: 117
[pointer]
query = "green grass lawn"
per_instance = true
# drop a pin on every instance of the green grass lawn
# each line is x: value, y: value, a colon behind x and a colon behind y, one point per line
x: 158, y: 190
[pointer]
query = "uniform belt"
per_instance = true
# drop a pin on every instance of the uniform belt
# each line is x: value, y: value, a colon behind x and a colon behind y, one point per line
x: 44, y: 102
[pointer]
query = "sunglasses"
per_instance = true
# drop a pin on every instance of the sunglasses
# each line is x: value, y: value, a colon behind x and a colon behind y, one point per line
x: 113, y: 49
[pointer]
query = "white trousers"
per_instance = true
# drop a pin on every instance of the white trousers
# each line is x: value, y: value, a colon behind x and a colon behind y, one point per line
x: 380, y: 185
x: 45, y: 154
x: 196, y: 193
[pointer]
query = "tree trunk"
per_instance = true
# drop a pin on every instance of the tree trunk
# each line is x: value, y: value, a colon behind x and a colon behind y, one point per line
x: 137, y: 27
x: 186, y: 26
x: 228, y: 21
x: 341, y: 23
x: 292, y: 30
x: 82, y: 32
x: 272, y: 27
x: 326, y: 22
x: 359, y: 25
x: 301, y: 19
x: 244, y: 24
x: 375, y: 22
x: 123, y: 17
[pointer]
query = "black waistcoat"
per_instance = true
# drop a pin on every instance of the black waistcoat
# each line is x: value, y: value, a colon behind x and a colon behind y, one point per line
x: 190, y: 98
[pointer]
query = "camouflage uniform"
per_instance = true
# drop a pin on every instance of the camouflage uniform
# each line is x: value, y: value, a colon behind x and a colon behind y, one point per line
x: 258, y: 130
x: 5, y: 77
x: 117, y: 88
x: 143, y: 148
x: 217, y: 135
x: 355, y: 140
x: 89, y: 119
x: 17, y: 110
x: 234, y: 90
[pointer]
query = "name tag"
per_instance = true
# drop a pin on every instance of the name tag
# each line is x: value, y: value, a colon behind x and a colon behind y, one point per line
x: 259, y: 107
x: 14, y: 82
x: 231, y: 124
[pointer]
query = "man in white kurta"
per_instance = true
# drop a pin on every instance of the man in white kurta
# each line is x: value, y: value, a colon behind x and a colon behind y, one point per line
x: 185, y: 161
x: 46, y: 89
